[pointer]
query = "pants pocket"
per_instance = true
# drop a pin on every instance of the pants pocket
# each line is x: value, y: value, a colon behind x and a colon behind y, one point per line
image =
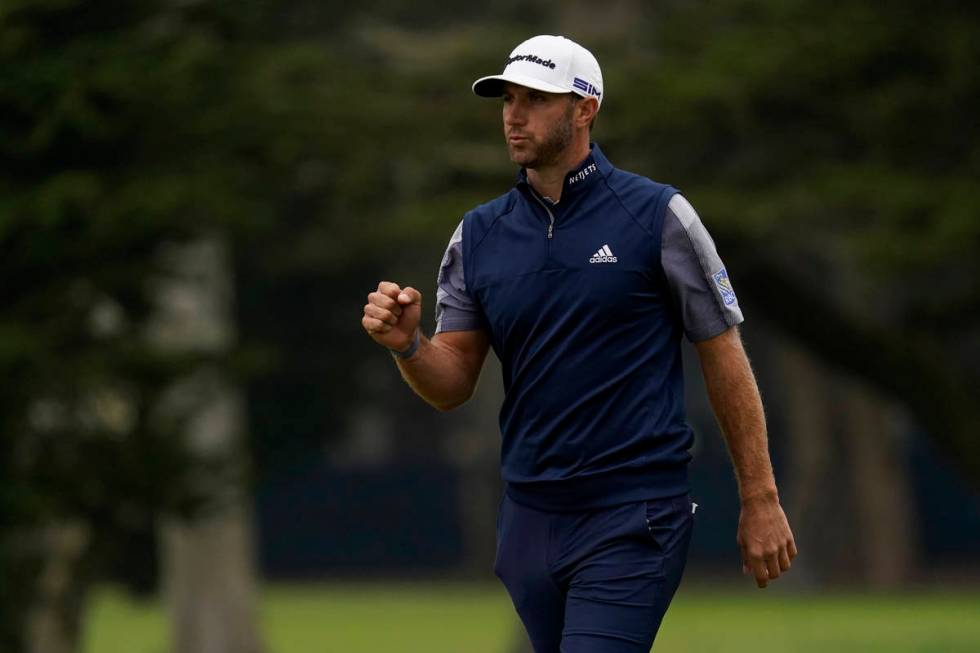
x: 669, y: 521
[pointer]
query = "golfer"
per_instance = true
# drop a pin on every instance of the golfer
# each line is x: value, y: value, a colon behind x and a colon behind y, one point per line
x: 583, y: 278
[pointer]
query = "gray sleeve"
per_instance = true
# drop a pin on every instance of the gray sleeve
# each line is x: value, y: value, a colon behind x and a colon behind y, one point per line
x: 455, y: 309
x: 697, y: 278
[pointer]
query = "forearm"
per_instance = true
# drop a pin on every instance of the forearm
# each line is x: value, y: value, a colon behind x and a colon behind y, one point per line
x: 737, y: 404
x: 764, y: 535
x: 443, y: 371
x: 438, y: 373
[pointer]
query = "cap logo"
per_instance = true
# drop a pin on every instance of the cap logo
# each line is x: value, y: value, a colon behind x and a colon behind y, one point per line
x: 586, y: 87
x: 533, y: 58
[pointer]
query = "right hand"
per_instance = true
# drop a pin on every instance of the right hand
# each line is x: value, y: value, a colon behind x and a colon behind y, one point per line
x: 392, y: 315
x: 766, y: 541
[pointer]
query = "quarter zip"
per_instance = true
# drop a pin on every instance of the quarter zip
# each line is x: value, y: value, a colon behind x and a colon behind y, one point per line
x: 551, y: 216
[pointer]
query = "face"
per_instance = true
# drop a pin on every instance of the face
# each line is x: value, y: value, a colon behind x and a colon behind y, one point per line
x: 537, y: 125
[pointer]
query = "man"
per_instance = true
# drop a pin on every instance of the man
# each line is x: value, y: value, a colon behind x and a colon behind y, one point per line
x: 582, y: 278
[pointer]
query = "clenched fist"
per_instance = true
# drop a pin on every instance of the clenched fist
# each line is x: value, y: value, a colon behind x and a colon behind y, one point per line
x: 391, y: 316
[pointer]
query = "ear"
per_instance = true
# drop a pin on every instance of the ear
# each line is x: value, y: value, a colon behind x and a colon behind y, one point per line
x: 585, y: 111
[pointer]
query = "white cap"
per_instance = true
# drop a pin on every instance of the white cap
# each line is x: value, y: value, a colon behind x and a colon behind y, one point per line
x: 552, y: 64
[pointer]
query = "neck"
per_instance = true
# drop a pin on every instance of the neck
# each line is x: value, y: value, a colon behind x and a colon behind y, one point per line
x: 549, y: 180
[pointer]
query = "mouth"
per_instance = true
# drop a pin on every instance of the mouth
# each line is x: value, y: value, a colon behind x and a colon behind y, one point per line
x: 514, y: 138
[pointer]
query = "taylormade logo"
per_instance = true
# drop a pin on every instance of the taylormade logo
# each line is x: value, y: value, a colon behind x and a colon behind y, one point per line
x: 533, y: 58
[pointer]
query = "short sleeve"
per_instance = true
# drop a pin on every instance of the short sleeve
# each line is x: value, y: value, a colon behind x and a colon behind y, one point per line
x: 455, y: 309
x: 696, y: 275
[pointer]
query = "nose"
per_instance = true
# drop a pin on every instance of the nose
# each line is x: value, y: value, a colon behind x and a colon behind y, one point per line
x: 514, y: 114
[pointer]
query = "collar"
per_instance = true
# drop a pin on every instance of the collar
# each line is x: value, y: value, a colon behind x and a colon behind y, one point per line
x: 582, y: 176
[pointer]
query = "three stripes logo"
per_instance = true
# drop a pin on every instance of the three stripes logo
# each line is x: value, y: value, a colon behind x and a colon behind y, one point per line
x: 603, y: 255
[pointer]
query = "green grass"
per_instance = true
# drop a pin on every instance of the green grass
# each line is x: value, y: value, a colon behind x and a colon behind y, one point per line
x: 478, y: 618
x: 759, y: 622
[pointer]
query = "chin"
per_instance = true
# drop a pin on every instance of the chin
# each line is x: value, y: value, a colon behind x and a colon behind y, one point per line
x: 522, y: 157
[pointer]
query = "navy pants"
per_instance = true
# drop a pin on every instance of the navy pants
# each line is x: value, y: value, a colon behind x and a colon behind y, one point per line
x: 594, y: 581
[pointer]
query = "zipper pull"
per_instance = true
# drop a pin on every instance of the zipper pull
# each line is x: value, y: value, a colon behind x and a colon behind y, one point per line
x: 551, y: 229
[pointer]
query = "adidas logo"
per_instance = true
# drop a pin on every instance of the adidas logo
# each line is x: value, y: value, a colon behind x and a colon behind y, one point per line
x: 604, y: 255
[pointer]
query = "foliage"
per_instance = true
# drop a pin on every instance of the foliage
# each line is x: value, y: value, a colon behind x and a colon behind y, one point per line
x: 832, y: 150
x: 117, y: 138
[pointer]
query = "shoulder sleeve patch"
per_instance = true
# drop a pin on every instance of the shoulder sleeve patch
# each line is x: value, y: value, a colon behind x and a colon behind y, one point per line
x: 724, y: 286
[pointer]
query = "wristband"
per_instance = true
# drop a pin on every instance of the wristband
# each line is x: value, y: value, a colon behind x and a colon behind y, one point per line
x: 412, y: 348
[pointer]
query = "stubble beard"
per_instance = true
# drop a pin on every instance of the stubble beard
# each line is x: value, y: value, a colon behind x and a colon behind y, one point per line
x: 555, y: 142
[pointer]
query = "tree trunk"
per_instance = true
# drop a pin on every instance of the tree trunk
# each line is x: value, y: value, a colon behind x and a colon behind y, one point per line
x: 883, y: 497
x: 811, y: 450
x: 207, y: 558
x: 53, y: 617
x: 846, y: 490
x: 207, y: 571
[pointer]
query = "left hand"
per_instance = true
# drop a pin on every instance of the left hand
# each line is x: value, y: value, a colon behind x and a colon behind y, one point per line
x: 766, y: 541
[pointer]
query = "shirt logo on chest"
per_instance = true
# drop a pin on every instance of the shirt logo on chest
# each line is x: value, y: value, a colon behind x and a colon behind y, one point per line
x: 603, y: 255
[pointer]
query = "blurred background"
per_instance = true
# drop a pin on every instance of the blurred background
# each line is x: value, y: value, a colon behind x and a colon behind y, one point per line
x: 203, y: 453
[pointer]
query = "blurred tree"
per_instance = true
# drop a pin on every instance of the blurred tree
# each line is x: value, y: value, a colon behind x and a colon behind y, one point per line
x: 785, y: 123
x: 207, y: 557
x: 834, y: 149
x: 116, y: 139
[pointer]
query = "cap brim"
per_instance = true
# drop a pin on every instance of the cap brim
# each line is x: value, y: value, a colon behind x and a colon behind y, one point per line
x: 493, y: 86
